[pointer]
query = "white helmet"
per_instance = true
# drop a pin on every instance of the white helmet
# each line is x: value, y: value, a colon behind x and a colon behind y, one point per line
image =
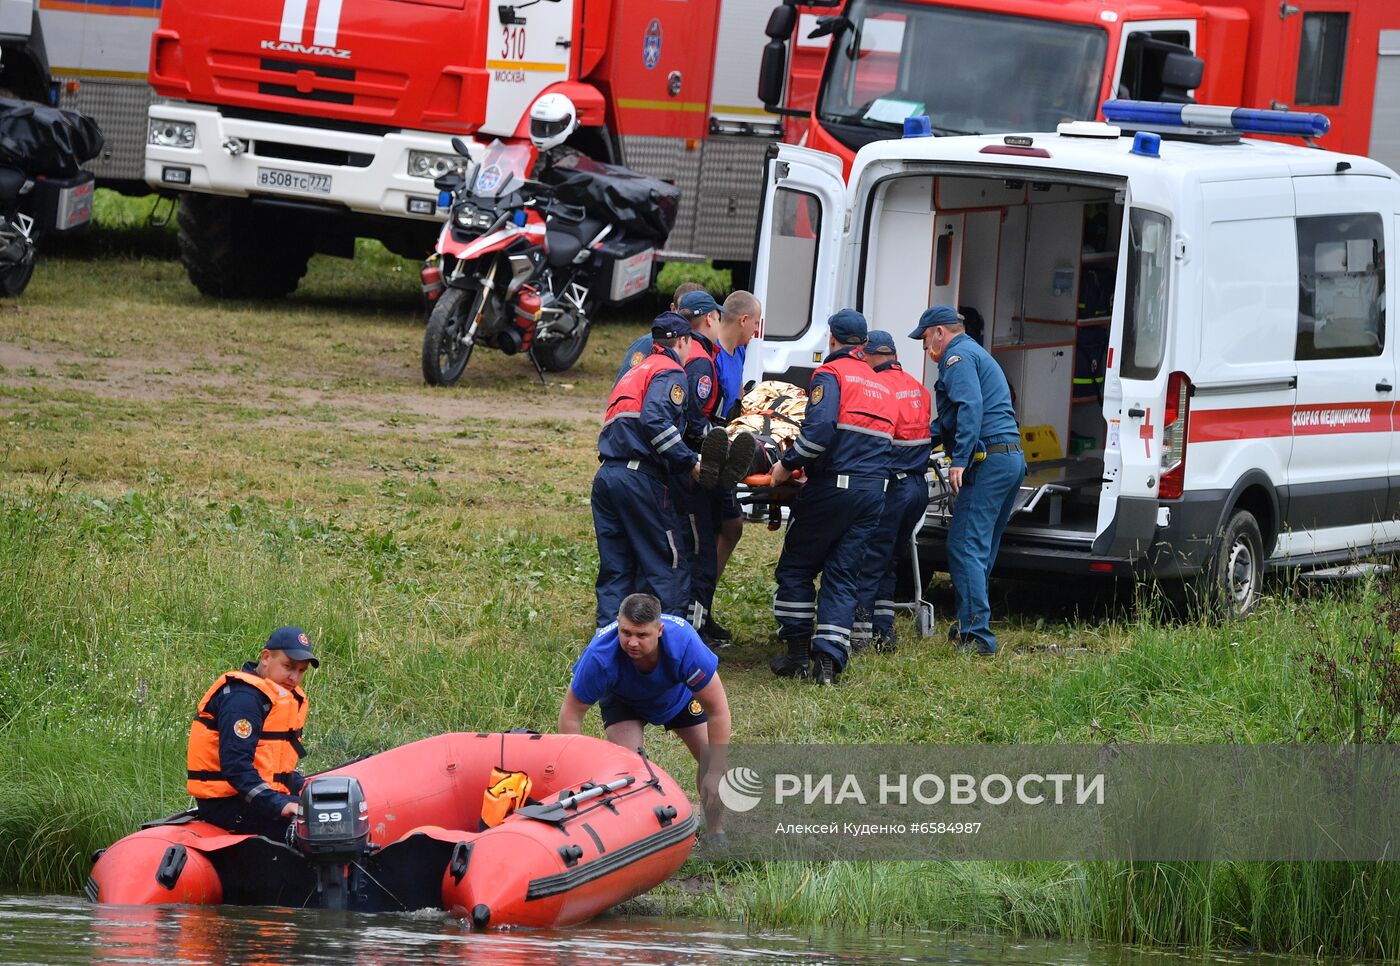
x: 552, y: 120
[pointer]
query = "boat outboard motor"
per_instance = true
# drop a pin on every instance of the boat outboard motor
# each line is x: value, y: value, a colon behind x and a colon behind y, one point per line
x: 332, y: 831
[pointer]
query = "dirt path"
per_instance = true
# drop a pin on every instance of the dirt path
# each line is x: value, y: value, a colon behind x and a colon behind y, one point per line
x: 165, y: 378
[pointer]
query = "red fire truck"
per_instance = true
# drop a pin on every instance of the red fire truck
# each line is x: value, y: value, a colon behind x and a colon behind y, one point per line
x: 294, y: 126
x: 859, y: 67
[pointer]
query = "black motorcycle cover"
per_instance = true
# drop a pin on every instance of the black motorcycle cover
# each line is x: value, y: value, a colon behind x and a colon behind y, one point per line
x: 641, y: 206
x: 49, y: 141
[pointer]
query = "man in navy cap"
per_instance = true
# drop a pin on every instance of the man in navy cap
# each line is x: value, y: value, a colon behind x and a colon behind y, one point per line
x: 906, y: 499
x: 641, y: 347
x: 245, y: 741
x: 722, y: 464
x: 976, y: 423
x: 844, y: 448
x: 641, y: 547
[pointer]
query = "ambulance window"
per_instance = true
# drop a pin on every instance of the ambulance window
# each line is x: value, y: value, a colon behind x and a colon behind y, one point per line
x: 1341, y: 286
x: 1322, y: 56
x: 1145, y: 312
x: 795, y: 225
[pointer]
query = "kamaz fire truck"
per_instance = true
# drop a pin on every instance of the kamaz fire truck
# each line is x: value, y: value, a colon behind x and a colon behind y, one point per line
x: 857, y: 68
x: 294, y: 126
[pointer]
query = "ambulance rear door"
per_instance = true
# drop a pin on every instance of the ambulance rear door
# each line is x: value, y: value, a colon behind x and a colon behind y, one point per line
x: 797, y: 268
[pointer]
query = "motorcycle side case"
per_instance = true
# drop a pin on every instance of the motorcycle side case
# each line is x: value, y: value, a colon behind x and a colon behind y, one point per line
x: 625, y: 267
x: 61, y: 204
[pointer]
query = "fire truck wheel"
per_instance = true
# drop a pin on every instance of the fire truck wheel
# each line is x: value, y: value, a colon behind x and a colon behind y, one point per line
x: 444, y: 358
x: 232, y: 251
x: 558, y: 356
x: 1236, y: 568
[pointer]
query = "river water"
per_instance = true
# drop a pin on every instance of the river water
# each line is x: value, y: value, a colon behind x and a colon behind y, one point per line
x: 60, y: 930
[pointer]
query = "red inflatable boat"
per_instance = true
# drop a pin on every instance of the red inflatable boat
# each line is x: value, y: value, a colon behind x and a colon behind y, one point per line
x: 594, y: 824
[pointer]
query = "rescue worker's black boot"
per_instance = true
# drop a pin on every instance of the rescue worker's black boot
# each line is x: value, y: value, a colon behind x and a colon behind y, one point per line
x: 825, y: 670
x: 738, y: 462
x: 714, y: 451
x: 793, y: 664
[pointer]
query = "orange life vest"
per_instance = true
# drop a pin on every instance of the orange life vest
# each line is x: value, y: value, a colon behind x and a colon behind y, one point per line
x: 506, y: 792
x: 279, y: 745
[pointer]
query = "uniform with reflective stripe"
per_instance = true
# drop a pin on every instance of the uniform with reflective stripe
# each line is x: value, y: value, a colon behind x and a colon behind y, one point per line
x: 845, y: 448
x: 646, y: 415
x: 278, y: 746
x: 905, y: 502
x: 849, y: 422
x: 642, y: 546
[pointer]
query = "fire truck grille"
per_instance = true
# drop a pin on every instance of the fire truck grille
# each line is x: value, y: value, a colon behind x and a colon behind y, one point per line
x: 302, y: 152
x: 288, y: 90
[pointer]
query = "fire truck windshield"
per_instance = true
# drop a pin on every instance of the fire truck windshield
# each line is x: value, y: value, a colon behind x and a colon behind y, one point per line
x: 971, y: 71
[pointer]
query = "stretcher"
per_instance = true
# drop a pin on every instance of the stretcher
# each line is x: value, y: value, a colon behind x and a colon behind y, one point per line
x: 773, y: 412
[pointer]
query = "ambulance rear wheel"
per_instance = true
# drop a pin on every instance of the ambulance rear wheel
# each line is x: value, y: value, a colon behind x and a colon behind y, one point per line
x: 1235, y: 576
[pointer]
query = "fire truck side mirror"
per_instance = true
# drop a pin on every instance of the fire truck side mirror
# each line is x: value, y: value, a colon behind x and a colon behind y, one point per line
x: 772, y: 71
x: 1182, y: 70
x: 781, y: 22
x: 460, y: 147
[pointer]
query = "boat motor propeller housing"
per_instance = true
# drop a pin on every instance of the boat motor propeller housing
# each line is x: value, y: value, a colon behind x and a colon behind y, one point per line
x: 332, y: 831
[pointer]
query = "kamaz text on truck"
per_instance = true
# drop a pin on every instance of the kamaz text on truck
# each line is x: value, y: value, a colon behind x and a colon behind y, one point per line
x: 857, y: 68
x: 294, y: 126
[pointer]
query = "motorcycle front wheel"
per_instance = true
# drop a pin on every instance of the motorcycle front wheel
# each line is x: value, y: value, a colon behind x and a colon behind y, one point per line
x: 444, y: 356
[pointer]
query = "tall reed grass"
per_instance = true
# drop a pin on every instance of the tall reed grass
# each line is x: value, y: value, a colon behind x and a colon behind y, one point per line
x: 116, y: 612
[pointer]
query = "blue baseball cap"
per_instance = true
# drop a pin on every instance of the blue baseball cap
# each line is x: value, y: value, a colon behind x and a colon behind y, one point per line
x: 293, y: 642
x: 878, y: 340
x: 847, y: 327
x: 938, y: 315
x: 669, y: 325
x: 695, y: 304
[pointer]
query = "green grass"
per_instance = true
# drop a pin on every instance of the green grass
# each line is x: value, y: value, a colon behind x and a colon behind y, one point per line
x: 178, y: 476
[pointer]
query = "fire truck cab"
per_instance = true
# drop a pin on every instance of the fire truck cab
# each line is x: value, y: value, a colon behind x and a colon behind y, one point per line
x: 1193, y: 325
x: 851, y: 70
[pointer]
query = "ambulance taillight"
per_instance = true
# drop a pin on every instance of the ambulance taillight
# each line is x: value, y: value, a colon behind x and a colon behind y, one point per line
x: 1174, y: 436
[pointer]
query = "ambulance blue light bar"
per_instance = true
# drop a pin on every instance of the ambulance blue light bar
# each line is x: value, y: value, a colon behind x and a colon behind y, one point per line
x: 1242, y: 119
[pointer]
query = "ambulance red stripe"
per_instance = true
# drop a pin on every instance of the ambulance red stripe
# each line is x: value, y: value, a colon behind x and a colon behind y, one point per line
x: 1264, y: 422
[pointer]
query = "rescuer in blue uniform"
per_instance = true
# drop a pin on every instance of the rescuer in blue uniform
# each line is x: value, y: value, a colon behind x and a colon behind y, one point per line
x: 844, y: 447
x: 976, y: 422
x: 702, y: 506
x: 906, y: 499
x: 640, y: 544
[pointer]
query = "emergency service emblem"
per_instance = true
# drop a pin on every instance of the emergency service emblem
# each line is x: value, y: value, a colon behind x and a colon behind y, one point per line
x: 305, y: 641
x: 635, y: 361
x: 651, y: 44
x: 242, y: 728
x: 703, y: 387
x: 817, y: 394
x: 694, y: 707
x: 677, y: 395
x: 488, y: 179
x: 954, y: 360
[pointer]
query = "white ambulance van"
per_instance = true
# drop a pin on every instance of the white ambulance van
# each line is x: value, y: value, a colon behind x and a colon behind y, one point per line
x: 1193, y: 325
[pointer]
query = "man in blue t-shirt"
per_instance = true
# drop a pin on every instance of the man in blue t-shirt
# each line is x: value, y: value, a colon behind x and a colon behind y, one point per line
x: 652, y: 668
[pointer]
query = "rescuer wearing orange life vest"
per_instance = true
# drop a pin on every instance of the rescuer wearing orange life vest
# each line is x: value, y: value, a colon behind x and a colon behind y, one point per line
x: 245, y: 740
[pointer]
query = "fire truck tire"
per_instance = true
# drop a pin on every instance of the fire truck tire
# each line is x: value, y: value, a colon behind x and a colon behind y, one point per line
x: 232, y: 251
x: 444, y: 362
x: 1234, y: 574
